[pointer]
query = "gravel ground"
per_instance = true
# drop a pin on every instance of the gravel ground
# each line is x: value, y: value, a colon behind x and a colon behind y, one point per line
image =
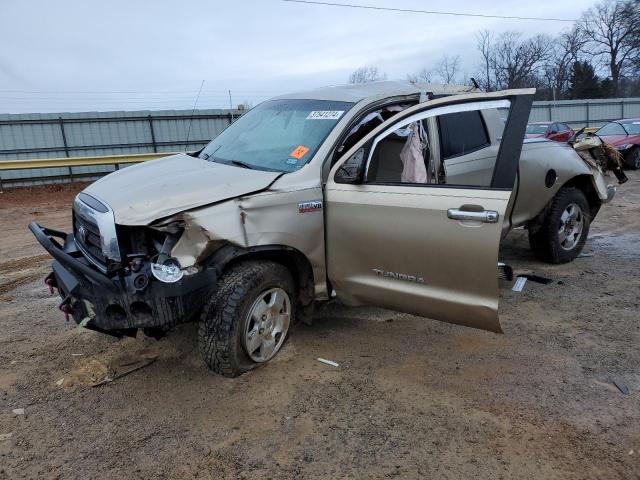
x: 412, y: 398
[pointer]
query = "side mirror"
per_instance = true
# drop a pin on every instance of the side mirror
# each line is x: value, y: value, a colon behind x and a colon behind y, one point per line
x: 352, y: 170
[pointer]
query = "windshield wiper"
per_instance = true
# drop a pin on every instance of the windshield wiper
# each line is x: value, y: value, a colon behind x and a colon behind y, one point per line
x: 242, y: 164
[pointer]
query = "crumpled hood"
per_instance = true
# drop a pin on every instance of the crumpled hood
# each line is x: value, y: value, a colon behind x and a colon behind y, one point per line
x: 145, y: 192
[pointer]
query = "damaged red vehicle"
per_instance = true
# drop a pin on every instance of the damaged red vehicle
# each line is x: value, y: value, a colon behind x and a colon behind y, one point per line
x: 624, y: 135
x: 556, y: 131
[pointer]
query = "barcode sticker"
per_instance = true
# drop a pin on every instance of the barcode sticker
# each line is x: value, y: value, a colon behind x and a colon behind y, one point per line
x: 325, y: 115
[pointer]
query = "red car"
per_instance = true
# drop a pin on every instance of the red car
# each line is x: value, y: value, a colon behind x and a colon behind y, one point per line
x: 625, y: 136
x: 556, y: 131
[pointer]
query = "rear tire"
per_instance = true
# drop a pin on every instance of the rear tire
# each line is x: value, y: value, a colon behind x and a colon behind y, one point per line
x: 564, y: 229
x: 247, y: 320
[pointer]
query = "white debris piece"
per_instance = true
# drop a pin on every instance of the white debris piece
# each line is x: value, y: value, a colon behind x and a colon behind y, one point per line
x: 18, y: 411
x: 60, y: 382
x: 328, y: 362
x: 519, y: 285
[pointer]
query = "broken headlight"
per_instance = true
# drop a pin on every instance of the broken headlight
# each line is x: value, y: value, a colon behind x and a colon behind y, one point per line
x: 168, y: 272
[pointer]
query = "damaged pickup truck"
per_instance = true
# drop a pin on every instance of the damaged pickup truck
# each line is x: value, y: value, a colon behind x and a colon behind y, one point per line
x: 386, y: 194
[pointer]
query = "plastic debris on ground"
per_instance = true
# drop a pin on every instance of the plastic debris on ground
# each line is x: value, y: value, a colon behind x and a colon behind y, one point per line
x: 328, y: 362
x: 620, y: 385
x: 537, y: 279
x: 519, y: 285
x: 18, y: 411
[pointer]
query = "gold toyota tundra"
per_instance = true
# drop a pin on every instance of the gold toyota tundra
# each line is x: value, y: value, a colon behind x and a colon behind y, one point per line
x: 387, y: 194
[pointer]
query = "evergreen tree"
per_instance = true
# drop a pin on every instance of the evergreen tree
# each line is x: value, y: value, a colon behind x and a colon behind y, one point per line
x: 584, y: 83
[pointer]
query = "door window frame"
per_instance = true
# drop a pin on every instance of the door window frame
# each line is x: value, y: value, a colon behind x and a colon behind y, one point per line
x: 434, y: 112
x: 472, y: 150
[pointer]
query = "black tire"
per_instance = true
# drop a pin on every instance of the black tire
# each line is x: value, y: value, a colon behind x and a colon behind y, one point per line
x: 156, y: 332
x: 545, y: 240
x: 633, y: 159
x: 224, y: 317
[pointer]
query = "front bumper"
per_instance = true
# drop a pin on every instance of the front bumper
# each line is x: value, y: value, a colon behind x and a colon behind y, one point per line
x: 120, y: 304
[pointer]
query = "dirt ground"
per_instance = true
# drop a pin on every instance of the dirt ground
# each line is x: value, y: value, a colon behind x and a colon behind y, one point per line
x: 412, y: 398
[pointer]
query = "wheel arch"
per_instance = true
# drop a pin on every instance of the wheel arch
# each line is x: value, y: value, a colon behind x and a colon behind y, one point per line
x: 584, y: 183
x: 291, y: 258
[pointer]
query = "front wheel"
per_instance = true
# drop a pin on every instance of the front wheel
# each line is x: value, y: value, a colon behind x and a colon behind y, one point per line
x: 564, y: 229
x: 247, y: 320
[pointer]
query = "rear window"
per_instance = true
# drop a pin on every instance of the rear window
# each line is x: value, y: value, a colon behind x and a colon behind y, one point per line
x: 461, y: 133
x: 537, y: 129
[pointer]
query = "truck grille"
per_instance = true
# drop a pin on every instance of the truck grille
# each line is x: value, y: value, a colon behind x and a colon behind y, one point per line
x: 87, y: 235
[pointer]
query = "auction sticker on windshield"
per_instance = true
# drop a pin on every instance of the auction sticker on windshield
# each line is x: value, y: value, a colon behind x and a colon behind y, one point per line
x: 325, y: 115
x: 299, y: 152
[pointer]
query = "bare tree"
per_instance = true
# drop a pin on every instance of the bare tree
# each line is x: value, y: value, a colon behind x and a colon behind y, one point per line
x: 448, y: 68
x: 423, y: 76
x: 632, y: 22
x: 609, y: 27
x: 368, y: 73
x: 485, y: 46
x: 565, y: 51
x: 246, y: 105
x: 515, y: 62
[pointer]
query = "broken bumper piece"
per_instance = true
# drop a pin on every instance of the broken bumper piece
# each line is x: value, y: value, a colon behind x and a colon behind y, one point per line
x: 124, y: 302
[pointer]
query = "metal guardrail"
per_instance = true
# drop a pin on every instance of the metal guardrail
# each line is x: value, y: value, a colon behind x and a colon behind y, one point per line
x: 80, y: 161
x: 70, y: 162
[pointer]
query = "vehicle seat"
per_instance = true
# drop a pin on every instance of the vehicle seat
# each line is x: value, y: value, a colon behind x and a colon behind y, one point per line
x: 386, y: 165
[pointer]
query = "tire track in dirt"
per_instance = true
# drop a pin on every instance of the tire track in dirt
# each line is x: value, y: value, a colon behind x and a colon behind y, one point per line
x: 24, y: 270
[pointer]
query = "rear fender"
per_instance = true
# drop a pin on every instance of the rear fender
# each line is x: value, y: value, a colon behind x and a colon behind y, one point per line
x: 548, y: 160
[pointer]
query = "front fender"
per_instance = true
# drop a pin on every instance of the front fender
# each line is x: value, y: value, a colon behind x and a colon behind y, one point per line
x: 265, y: 219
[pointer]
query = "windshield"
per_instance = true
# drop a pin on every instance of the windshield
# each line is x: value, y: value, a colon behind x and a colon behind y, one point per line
x: 612, y: 128
x: 536, y: 128
x: 277, y: 135
x: 632, y: 128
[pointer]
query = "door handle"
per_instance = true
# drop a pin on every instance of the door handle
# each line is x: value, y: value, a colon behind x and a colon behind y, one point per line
x: 484, y: 216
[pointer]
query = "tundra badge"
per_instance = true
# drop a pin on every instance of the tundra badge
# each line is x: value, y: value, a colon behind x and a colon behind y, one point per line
x: 398, y: 276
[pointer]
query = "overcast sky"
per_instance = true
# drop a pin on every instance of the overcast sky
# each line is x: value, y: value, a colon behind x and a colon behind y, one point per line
x: 73, y: 55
